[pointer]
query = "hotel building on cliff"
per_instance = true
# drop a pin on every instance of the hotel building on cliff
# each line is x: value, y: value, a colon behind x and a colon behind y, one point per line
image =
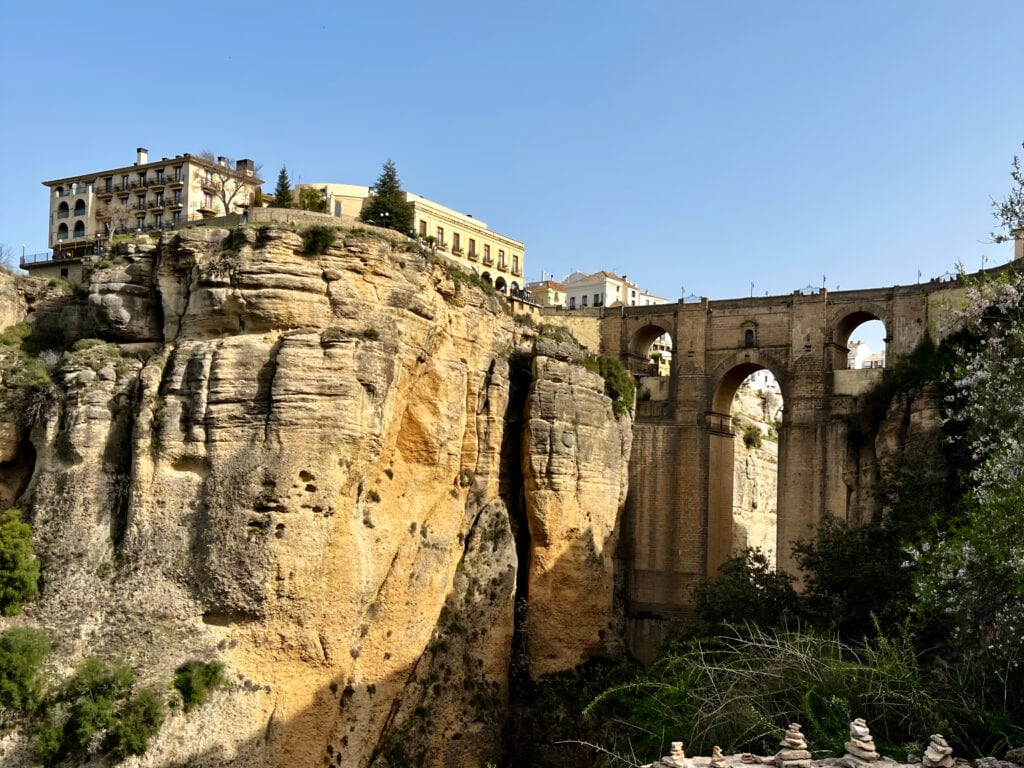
x: 458, y: 236
x: 87, y: 210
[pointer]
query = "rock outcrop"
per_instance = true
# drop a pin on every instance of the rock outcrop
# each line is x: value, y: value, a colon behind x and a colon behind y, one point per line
x: 756, y: 470
x: 328, y: 471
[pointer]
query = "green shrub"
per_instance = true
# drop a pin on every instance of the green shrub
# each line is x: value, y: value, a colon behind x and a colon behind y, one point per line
x: 317, y: 239
x: 85, y: 708
x: 752, y: 436
x: 195, y: 679
x: 854, y: 577
x: 19, y: 569
x: 372, y: 334
x: 747, y: 589
x: 137, y: 722
x: 22, y: 651
x: 618, y: 384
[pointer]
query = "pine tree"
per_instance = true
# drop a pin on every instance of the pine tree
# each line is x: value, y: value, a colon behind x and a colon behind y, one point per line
x: 387, y: 206
x: 283, y: 190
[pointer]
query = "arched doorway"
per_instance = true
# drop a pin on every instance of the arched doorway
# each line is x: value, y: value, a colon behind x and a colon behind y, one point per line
x: 486, y: 276
x: 743, y: 463
x: 500, y: 285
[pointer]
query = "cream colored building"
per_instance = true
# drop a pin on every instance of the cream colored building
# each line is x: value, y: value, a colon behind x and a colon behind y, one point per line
x: 458, y: 236
x: 88, y: 209
x: 547, y: 293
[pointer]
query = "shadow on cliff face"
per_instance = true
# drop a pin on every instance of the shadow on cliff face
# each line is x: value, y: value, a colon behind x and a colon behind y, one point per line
x: 446, y: 708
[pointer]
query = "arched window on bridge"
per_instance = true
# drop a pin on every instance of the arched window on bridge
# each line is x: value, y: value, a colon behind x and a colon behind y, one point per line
x: 861, y: 337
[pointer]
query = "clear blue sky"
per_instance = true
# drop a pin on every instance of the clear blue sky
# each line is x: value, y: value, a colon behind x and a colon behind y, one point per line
x: 706, y: 145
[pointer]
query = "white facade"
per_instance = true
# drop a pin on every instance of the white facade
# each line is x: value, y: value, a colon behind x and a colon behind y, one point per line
x: 605, y: 289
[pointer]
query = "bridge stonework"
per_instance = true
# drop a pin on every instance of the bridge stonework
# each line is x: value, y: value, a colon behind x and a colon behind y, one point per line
x: 677, y: 524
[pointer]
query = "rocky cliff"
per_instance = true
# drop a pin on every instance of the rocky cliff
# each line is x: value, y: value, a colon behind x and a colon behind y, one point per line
x: 756, y: 469
x: 353, y: 477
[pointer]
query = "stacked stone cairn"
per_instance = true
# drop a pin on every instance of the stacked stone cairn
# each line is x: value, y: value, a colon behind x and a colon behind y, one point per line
x: 938, y: 754
x: 794, y: 752
x: 860, y: 749
x: 675, y: 759
x: 717, y: 758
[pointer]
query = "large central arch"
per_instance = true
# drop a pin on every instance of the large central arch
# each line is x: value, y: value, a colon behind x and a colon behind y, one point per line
x: 722, y: 449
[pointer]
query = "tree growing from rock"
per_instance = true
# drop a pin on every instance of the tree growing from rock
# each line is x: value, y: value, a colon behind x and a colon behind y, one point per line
x: 19, y: 569
x: 387, y: 206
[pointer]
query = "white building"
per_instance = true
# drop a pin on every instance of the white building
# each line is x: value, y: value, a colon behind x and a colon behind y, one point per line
x: 605, y: 289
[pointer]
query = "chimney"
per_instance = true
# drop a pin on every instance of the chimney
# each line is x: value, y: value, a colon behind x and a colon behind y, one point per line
x: 141, y: 156
x: 246, y: 166
x: 221, y: 160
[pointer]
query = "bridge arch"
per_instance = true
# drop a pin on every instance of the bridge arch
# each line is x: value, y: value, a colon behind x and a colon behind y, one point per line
x: 721, y: 447
x: 638, y: 350
x: 845, y: 320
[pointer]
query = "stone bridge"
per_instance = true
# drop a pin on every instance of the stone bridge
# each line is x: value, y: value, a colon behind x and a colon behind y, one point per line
x: 678, y: 521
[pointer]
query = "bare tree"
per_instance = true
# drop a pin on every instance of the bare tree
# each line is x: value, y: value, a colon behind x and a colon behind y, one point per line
x: 118, y: 215
x: 230, y: 185
x: 6, y: 258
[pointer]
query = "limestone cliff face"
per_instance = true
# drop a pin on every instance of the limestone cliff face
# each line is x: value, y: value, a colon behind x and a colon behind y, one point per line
x: 575, y: 477
x: 326, y: 471
x: 756, y: 472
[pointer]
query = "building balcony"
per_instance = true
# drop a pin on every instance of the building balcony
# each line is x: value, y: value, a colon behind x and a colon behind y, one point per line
x: 518, y: 271
x: 35, y: 258
x: 442, y: 246
x: 175, y: 204
x: 176, y: 180
x: 457, y: 251
x: 473, y: 256
x: 488, y: 260
x: 105, y: 192
x: 159, y: 182
x: 503, y: 266
x: 156, y: 204
x: 63, y: 214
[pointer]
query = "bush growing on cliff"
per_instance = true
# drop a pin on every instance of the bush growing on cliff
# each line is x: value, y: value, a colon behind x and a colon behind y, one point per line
x: 618, y: 384
x: 137, y: 722
x: 316, y: 240
x: 22, y: 651
x: 195, y: 679
x: 19, y: 569
x: 84, y: 709
x: 96, y: 711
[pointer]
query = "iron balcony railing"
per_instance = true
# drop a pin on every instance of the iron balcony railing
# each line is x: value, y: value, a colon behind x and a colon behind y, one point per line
x: 35, y: 258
